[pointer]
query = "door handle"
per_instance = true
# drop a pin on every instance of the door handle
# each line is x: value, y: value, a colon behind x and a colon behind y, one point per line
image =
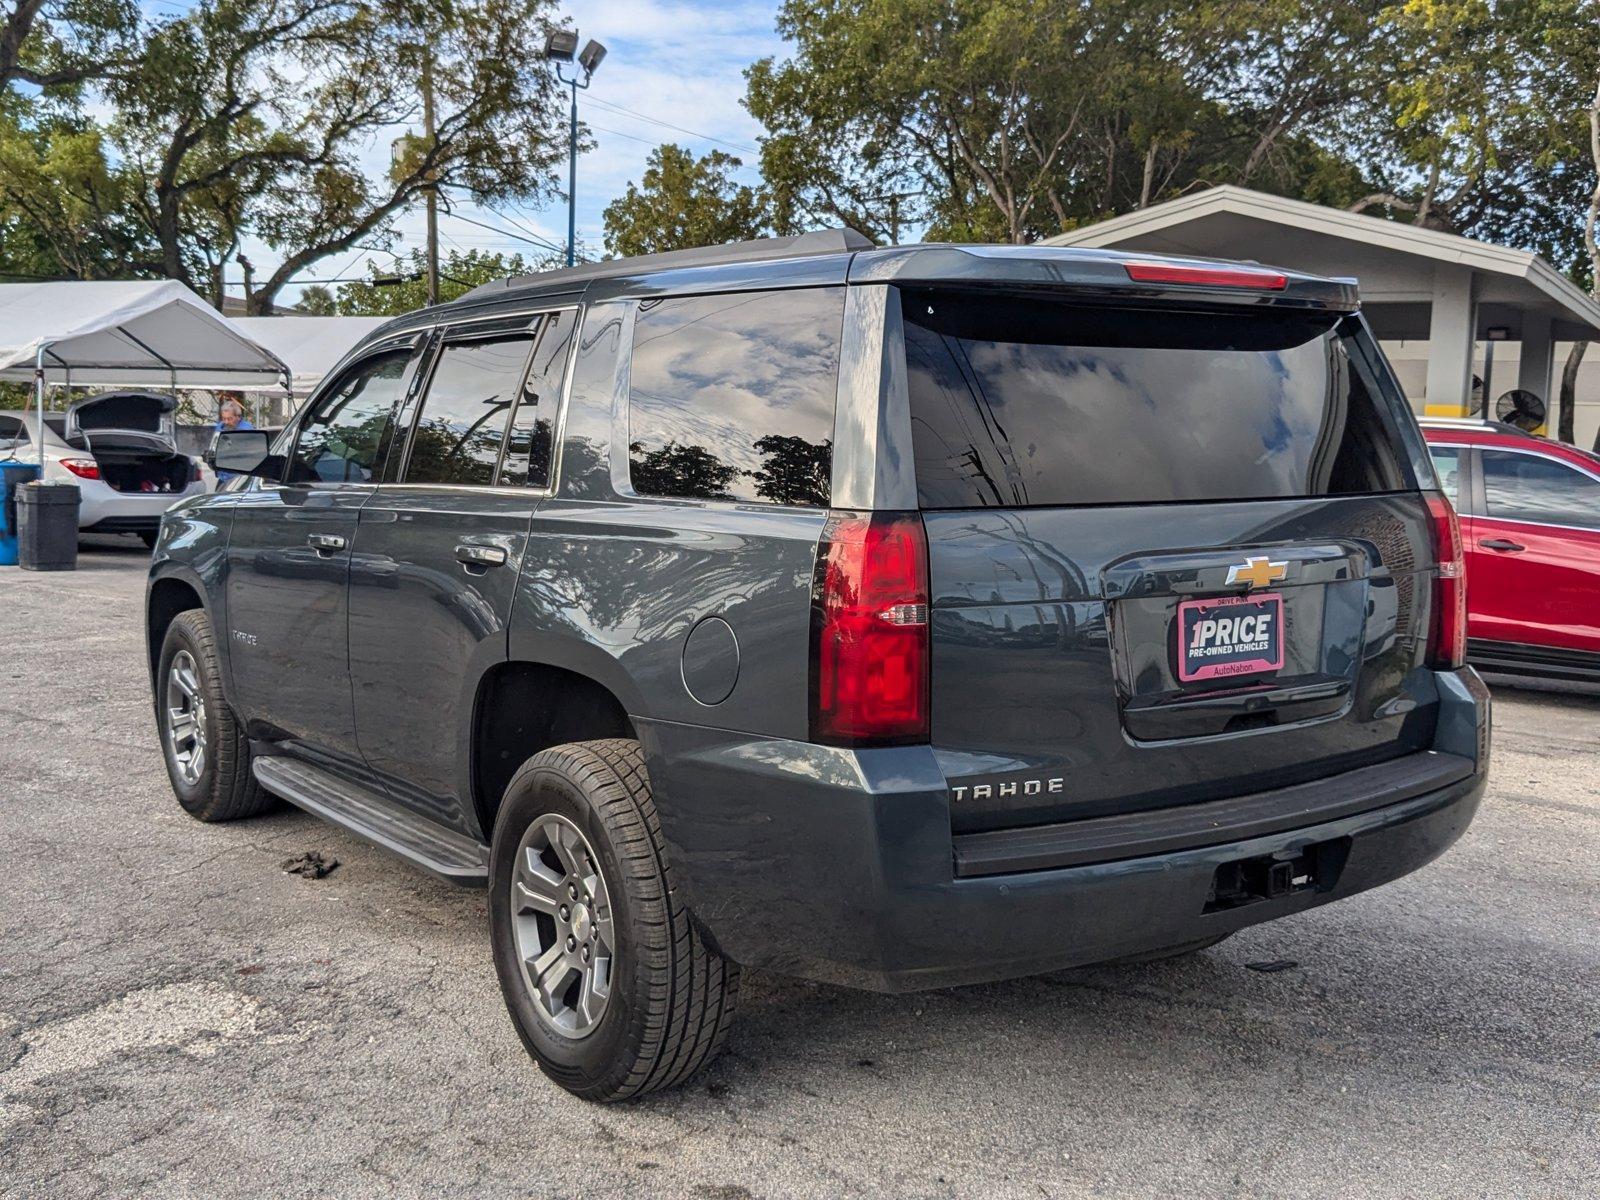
x: 326, y: 543
x: 481, y: 556
x: 1503, y: 544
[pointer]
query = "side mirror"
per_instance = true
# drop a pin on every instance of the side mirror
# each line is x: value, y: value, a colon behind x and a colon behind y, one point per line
x: 240, y: 451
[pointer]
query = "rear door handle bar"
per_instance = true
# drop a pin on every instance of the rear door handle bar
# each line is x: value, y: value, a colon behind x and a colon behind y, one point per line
x: 481, y: 556
x: 1505, y: 544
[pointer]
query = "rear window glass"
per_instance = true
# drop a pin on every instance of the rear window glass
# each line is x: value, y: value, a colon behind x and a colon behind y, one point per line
x: 732, y: 396
x: 1018, y: 403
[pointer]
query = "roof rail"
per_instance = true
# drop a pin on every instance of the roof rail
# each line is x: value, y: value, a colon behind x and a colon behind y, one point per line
x: 803, y: 245
x: 1473, y: 423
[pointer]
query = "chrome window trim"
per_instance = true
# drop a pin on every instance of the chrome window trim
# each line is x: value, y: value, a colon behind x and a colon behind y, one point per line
x: 442, y: 330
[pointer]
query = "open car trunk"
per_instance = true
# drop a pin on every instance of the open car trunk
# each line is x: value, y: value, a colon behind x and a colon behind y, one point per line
x: 132, y: 436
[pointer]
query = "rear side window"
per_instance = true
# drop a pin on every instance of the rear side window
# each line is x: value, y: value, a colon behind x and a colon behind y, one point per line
x: 349, y: 430
x: 732, y: 396
x: 12, y: 429
x: 1529, y: 487
x: 464, y: 414
x: 1018, y: 403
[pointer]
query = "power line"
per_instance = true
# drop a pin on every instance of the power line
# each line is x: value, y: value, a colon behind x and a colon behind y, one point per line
x: 705, y: 137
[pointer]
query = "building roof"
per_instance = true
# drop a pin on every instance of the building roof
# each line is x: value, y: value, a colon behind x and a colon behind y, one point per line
x: 1239, y: 222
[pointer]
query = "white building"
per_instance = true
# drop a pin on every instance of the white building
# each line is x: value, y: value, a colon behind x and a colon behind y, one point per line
x: 1436, y: 300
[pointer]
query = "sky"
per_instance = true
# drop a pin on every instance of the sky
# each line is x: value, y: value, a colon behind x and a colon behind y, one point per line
x: 672, y: 72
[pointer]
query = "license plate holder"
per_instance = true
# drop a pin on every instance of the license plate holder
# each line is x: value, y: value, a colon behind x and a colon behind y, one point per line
x: 1229, y: 637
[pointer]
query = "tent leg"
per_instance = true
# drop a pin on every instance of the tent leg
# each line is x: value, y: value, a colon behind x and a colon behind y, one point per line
x: 38, y: 389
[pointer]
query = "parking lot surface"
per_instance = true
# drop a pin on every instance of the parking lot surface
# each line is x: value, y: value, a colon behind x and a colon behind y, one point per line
x: 180, y: 1016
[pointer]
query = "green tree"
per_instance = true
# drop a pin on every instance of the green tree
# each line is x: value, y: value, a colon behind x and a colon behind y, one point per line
x: 249, y: 116
x: 1012, y: 119
x: 683, y: 201
x: 388, y: 292
x: 678, y: 470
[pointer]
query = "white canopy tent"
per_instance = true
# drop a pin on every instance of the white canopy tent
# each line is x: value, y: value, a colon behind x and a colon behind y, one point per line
x: 122, y: 334
x: 311, y: 346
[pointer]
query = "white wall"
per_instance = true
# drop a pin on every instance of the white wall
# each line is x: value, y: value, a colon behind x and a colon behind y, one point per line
x: 1410, y: 360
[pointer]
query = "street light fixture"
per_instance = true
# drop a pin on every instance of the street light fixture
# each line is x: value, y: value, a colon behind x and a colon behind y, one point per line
x: 561, y: 46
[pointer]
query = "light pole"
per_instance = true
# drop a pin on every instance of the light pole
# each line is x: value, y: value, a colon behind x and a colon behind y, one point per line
x: 561, y: 46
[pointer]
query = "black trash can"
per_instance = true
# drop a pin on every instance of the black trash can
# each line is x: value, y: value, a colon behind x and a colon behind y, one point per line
x: 47, y: 526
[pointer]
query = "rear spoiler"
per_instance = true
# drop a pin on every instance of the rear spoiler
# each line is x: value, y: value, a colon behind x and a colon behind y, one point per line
x: 1105, y: 273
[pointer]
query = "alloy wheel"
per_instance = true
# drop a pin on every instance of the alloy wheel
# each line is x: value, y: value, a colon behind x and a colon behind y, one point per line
x: 186, y: 718
x: 561, y: 916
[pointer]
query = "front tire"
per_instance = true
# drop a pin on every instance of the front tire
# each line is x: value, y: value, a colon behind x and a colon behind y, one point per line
x: 610, y: 985
x: 206, y: 752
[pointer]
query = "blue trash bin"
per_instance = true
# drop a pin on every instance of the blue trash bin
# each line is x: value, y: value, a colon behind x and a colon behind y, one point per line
x: 13, y: 474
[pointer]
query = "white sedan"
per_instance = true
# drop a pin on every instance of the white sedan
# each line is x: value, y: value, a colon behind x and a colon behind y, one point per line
x: 121, y: 450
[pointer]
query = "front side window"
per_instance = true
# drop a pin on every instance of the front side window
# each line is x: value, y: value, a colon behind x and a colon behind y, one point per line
x: 732, y: 396
x: 1021, y: 403
x: 464, y: 413
x: 347, y: 434
x: 12, y: 430
x: 532, y: 436
x: 1529, y: 487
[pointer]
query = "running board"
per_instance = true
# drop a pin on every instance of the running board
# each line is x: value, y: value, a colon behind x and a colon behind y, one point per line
x: 443, y: 852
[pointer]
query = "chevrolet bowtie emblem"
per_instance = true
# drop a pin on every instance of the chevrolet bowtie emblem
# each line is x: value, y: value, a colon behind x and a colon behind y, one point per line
x: 1256, y: 572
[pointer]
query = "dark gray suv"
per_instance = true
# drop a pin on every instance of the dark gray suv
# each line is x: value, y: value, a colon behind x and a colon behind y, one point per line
x: 891, y: 617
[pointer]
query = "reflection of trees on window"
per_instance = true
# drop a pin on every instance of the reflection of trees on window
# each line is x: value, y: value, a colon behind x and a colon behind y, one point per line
x: 340, y: 442
x: 680, y: 471
x: 793, y: 470
x: 442, y: 452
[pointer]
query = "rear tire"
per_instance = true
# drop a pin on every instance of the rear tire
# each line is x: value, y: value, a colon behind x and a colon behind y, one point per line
x: 202, y: 742
x: 668, y: 997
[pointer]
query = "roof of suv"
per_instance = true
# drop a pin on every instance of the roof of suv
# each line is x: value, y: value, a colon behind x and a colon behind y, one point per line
x: 844, y: 256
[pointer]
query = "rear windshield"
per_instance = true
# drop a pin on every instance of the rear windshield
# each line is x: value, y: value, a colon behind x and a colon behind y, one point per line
x: 1018, y: 403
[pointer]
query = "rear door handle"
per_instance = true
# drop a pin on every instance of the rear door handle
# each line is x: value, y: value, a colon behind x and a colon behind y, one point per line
x: 326, y: 543
x: 1504, y: 544
x: 481, y: 556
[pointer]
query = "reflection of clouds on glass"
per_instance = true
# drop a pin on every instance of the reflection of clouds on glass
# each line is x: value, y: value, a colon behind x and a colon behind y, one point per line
x: 1155, y: 411
x: 1527, y: 487
x: 716, y: 378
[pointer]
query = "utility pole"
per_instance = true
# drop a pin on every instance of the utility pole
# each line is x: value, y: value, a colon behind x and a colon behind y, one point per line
x: 249, y: 284
x: 432, y: 191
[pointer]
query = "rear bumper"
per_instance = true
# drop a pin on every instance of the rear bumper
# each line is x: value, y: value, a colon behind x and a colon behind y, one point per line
x: 840, y: 865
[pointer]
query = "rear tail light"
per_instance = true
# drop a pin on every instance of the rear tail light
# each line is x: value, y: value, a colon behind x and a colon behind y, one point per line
x: 1447, y: 640
x: 83, y: 468
x: 869, y: 631
x: 1229, y: 277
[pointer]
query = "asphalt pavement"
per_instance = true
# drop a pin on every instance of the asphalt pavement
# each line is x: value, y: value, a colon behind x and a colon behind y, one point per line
x: 181, y: 1017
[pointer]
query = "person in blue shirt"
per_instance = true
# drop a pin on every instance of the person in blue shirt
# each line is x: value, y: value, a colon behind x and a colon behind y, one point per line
x: 230, y: 416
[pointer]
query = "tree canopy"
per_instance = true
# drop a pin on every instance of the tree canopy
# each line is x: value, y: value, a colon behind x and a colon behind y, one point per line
x: 684, y: 201
x: 251, y: 117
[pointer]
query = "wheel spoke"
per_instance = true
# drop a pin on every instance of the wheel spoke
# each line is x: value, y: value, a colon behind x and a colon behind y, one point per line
x: 535, y: 893
x: 570, y: 854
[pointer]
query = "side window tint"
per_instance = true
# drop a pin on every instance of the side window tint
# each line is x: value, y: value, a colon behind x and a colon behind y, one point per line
x: 531, y: 440
x: 1447, y: 464
x: 464, y: 413
x: 732, y: 396
x: 1526, y: 487
x: 12, y: 430
x: 343, y: 437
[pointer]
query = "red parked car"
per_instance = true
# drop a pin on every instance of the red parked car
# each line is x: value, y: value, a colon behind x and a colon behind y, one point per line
x: 1530, y: 519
